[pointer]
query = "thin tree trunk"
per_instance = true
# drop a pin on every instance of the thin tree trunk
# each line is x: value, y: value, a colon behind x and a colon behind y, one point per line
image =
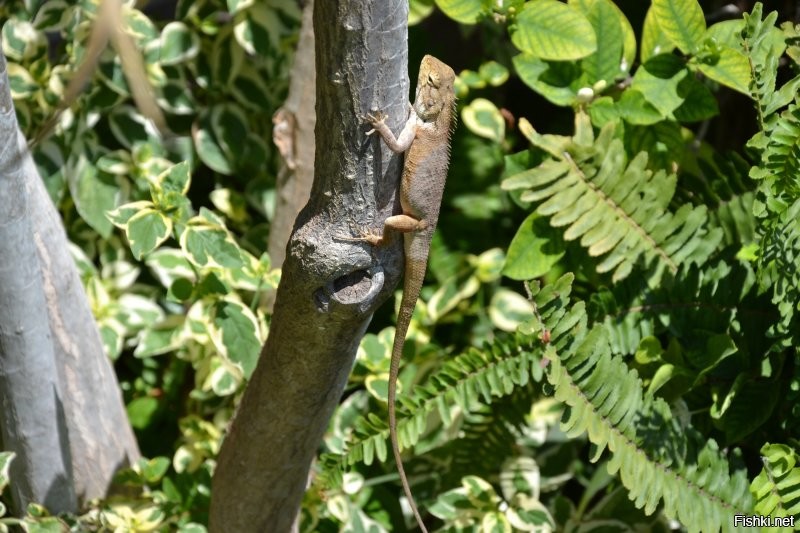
x: 82, y: 435
x: 329, y: 287
x: 33, y: 425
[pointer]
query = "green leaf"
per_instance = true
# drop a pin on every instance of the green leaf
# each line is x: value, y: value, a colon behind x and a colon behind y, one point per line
x: 654, y: 40
x: 463, y: 11
x: 146, y: 230
x: 483, y: 118
x: 549, y: 29
x: 556, y: 81
x: 683, y: 23
x: 178, y: 44
x: 142, y: 411
x: 729, y: 67
x: 698, y: 101
x: 658, y: 81
x: 605, y: 62
x: 94, y: 193
x: 154, y: 469
x: 636, y: 109
x: 235, y: 333
x: 533, y: 250
x: 419, y: 10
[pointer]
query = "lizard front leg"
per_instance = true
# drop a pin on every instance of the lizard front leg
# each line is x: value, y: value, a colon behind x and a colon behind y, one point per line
x: 402, y: 142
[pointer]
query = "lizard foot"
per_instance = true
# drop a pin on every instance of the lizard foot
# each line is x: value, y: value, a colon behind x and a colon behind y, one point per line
x: 364, y: 235
x: 376, y: 120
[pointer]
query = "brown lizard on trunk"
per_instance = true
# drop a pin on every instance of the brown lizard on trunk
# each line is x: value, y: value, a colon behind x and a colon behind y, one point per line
x: 426, y: 141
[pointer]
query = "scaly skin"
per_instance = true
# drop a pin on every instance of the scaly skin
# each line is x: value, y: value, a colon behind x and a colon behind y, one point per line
x: 426, y: 141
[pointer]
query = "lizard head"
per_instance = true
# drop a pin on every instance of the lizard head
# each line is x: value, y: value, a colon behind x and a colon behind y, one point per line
x: 434, y: 89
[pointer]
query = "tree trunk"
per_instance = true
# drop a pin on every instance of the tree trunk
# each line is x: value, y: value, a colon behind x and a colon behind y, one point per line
x: 330, y: 287
x: 62, y: 413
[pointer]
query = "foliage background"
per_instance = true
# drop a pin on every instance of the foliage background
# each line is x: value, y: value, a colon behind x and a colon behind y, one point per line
x: 638, y: 159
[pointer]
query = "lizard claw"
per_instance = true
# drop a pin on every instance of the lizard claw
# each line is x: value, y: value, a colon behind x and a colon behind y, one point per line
x: 374, y: 119
x: 364, y: 235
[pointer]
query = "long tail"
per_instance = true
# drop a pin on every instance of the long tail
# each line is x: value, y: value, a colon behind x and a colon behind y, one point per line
x: 412, y: 284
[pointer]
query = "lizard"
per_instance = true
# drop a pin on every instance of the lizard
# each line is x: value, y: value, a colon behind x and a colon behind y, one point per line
x: 425, y: 140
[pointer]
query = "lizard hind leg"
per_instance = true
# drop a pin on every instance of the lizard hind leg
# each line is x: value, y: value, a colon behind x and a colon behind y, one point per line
x: 404, y: 224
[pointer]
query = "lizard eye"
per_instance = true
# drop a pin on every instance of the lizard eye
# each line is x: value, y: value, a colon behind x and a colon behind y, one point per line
x: 433, y: 80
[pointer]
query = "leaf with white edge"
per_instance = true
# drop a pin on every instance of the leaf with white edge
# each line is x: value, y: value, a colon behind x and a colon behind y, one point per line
x: 207, y: 245
x: 166, y: 336
x: 223, y: 382
x: 178, y: 43
x: 549, y: 29
x: 234, y: 6
x: 463, y: 11
x: 137, y: 312
x: 654, y: 40
x: 488, y: 265
x: 20, y: 81
x: 449, y: 295
x: 227, y: 58
x: 175, y: 179
x: 54, y: 15
x: 729, y: 67
x: 117, y: 162
x: 235, y: 333
x: 176, y: 97
x: 168, y: 265
x: 508, y: 309
x: 682, y: 21
x: 129, y: 126
x: 230, y: 126
x: 22, y: 41
x: 139, y: 26
x: 483, y: 118
x: 493, y: 73
x: 208, y: 146
x: 5, y: 464
x: 146, y: 230
x: 121, y: 215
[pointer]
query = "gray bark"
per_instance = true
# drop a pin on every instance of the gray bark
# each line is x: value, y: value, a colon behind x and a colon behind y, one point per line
x: 33, y: 425
x: 329, y: 287
x: 62, y: 410
x: 293, y: 134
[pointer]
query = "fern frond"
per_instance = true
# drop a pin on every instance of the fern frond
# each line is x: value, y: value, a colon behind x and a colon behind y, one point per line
x: 618, y: 208
x: 657, y: 459
x: 777, y: 487
x: 470, y: 380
